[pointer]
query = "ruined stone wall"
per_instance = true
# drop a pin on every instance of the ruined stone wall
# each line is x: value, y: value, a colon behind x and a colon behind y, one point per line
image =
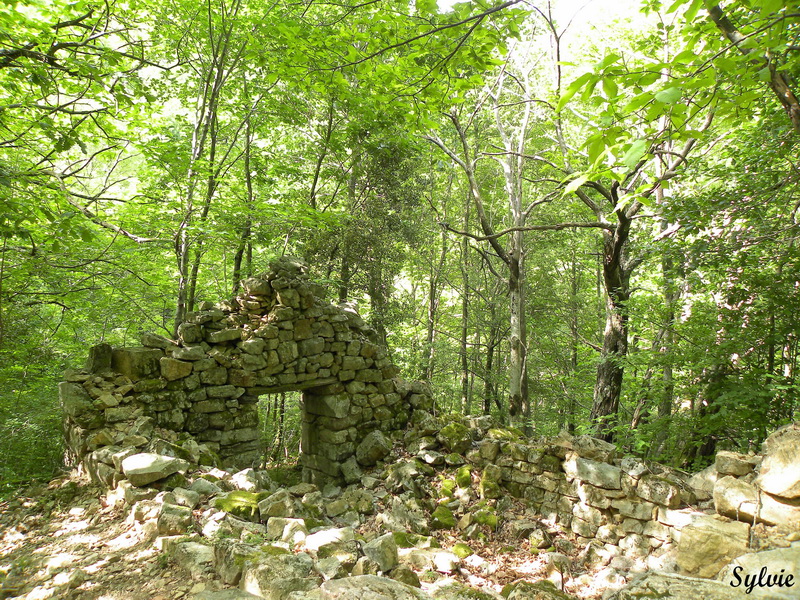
x: 646, y: 509
x: 278, y: 335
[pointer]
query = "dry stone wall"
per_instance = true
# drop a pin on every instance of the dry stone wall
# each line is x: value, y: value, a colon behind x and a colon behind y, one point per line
x: 697, y: 522
x: 591, y: 491
x: 278, y: 335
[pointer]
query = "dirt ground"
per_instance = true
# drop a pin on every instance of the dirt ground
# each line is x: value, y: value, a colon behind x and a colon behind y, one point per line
x: 65, y: 541
x: 61, y: 541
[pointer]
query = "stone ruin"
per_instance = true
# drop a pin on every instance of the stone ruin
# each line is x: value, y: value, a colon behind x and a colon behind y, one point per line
x: 277, y: 335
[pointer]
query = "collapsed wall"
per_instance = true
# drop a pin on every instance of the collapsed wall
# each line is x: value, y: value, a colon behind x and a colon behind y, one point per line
x: 278, y: 335
x: 647, y: 510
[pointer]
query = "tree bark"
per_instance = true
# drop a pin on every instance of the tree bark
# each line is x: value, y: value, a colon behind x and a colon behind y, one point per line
x: 616, y: 278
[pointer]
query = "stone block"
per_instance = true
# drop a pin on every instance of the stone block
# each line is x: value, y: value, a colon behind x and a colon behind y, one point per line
x: 172, y: 369
x: 598, y: 474
x: 99, y: 359
x: 634, y: 509
x: 332, y: 405
x: 190, y: 333
x: 709, y: 544
x: 209, y: 406
x: 779, y: 474
x: 137, y: 363
x: 659, y: 491
x: 742, y: 501
x: 144, y: 468
x: 224, y: 391
x: 734, y: 463
x: 223, y: 335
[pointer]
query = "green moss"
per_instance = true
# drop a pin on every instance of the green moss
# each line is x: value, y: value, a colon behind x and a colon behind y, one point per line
x: 490, y: 489
x: 506, y: 434
x: 464, y: 477
x: 485, y: 517
x: 442, y: 518
x: 173, y: 481
x: 455, y: 437
x: 273, y: 550
x: 462, y: 550
x: 405, y: 539
x: 448, y: 488
x: 541, y: 589
x: 240, y: 503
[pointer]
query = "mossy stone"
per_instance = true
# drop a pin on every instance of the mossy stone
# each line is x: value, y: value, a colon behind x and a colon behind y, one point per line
x: 448, y: 488
x: 464, y: 477
x: 442, y: 518
x: 176, y: 480
x: 241, y: 503
x: 506, y: 434
x: 455, y: 437
x: 462, y: 550
x: 485, y: 517
x: 540, y: 589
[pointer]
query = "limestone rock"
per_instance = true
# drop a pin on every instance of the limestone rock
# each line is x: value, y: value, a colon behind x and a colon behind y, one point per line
x: 99, y: 359
x: 172, y: 369
x: 174, y: 519
x: 317, y: 541
x: 136, y: 363
x: 225, y: 595
x: 669, y: 586
x: 782, y: 560
x: 599, y: 474
x: 455, y: 437
x: 703, y: 482
x: 197, y: 559
x: 374, y: 447
x: 144, y: 468
x: 540, y: 590
x: 383, y: 550
x: 153, y: 340
x: 659, y: 491
x: 708, y: 544
x: 75, y: 400
x: 449, y: 589
x: 733, y: 463
x: 370, y: 587
x: 780, y: 469
x: 405, y: 574
x: 279, y: 504
x: 740, y: 500
x: 230, y: 556
x: 275, y: 576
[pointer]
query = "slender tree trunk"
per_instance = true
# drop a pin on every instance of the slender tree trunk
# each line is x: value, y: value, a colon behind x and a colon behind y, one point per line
x: 616, y: 277
x: 574, y: 341
x: 245, y: 245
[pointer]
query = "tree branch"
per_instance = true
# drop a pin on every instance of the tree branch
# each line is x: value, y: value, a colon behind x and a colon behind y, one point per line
x: 554, y: 227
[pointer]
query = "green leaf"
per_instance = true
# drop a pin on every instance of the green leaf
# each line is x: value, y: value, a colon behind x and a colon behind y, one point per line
x: 609, y: 59
x: 669, y: 96
x: 610, y: 87
x: 573, y: 89
x: 576, y: 183
x: 634, y: 153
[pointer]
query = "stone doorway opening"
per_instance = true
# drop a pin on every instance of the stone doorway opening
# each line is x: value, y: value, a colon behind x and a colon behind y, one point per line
x: 279, y: 421
x: 278, y: 336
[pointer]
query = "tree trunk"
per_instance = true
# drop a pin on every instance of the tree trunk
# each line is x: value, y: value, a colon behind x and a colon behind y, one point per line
x: 616, y: 278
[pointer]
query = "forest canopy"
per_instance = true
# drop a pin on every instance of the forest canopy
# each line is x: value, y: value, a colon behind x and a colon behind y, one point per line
x: 563, y: 216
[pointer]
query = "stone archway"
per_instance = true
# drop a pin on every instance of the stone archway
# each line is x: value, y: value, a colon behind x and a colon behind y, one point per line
x: 278, y: 335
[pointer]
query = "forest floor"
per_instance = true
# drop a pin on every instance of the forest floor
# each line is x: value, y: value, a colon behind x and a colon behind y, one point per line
x: 63, y: 541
